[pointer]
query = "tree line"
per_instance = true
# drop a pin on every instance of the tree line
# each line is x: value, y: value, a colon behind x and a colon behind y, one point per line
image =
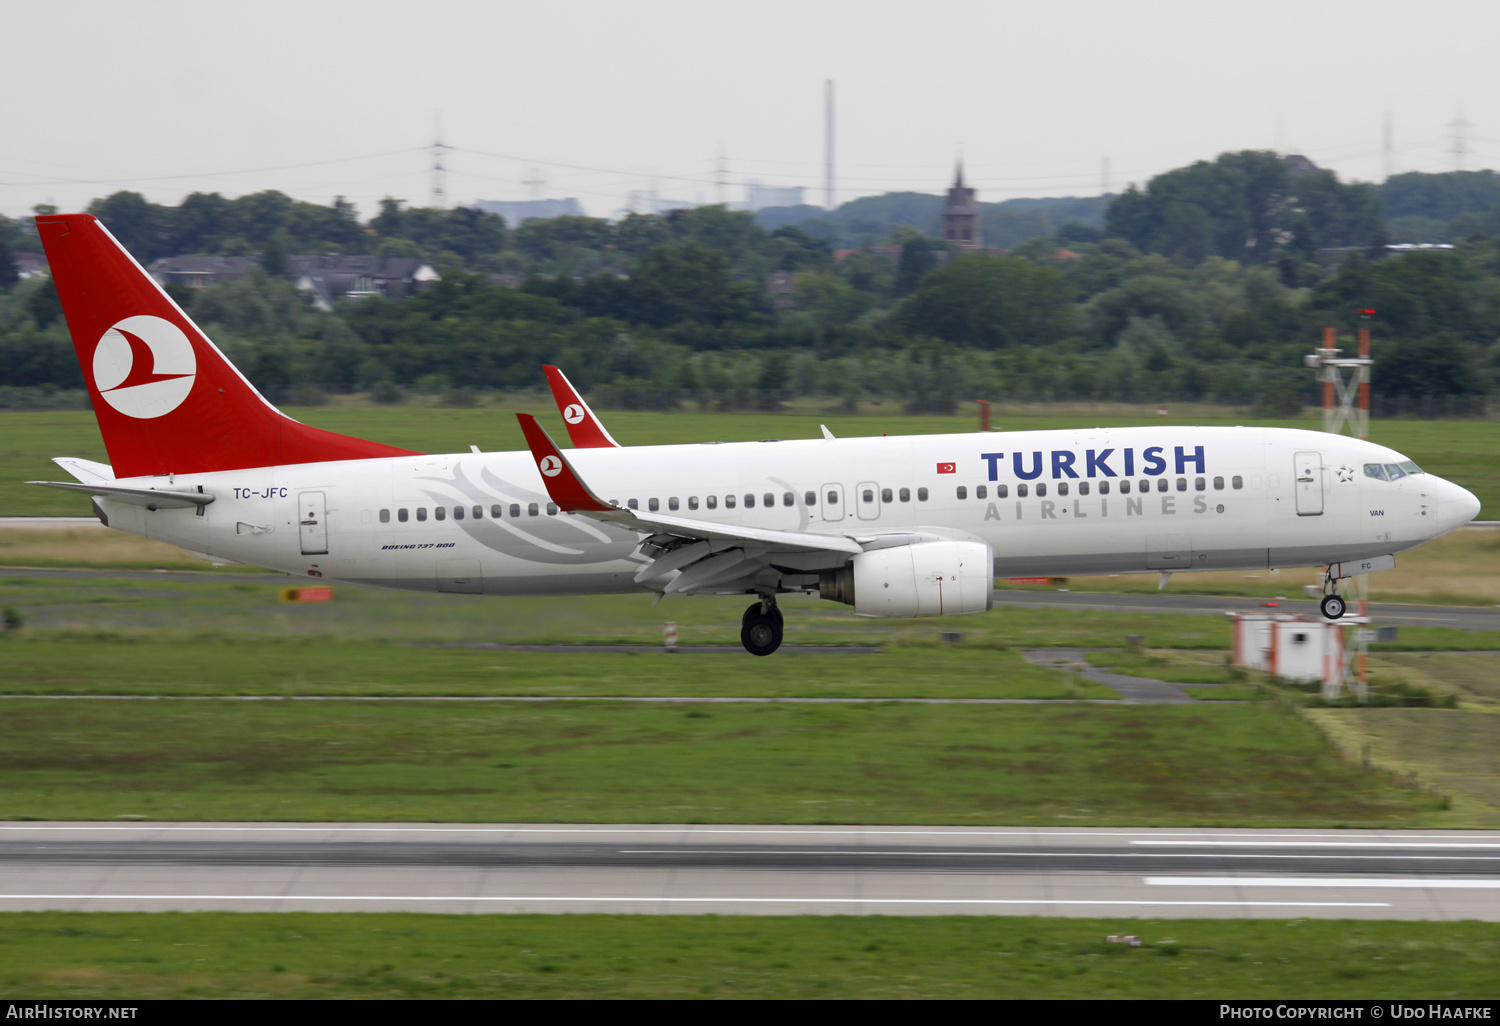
x: 1210, y: 281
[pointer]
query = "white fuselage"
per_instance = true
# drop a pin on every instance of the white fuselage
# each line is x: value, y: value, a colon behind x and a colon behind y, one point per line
x: 1107, y: 500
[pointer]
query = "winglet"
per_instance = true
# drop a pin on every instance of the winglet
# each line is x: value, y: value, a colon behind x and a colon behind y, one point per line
x: 563, y: 483
x: 584, y: 428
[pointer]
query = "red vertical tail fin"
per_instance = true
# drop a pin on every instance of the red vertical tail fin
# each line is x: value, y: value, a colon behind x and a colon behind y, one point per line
x: 584, y: 428
x: 167, y: 400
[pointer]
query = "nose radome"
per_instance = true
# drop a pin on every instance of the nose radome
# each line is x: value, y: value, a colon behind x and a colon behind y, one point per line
x: 1456, y: 505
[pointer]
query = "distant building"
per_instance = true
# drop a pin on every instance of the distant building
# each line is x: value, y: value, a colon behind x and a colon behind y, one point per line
x: 30, y: 265
x: 1297, y: 164
x: 961, y: 215
x: 781, y: 286
x: 196, y: 272
x: 517, y: 212
x: 330, y: 278
x: 759, y: 197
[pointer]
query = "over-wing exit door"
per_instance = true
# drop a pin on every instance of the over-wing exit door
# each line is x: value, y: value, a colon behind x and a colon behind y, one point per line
x: 312, y: 522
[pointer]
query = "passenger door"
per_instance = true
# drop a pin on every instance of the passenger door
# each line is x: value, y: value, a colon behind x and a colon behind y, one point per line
x: 1308, y: 481
x: 312, y: 523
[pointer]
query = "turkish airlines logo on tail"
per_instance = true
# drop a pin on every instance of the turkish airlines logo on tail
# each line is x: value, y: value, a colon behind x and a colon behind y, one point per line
x: 573, y: 414
x: 550, y: 465
x: 144, y: 367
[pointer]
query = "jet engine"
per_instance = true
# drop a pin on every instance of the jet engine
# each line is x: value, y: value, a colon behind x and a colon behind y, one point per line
x: 939, y: 578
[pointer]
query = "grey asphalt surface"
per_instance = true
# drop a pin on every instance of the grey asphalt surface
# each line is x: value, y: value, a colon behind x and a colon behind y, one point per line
x: 750, y: 869
x: 1467, y: 618
x: 1388, y: 614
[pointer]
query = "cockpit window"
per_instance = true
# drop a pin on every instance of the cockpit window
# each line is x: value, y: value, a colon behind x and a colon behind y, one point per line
x: 1375, y: 470
x: 1394, y: 471
x: 1410, y: 467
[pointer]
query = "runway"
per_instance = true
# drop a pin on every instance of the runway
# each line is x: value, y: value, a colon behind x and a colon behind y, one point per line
x: 1388, y: 614
x: 511, y: 868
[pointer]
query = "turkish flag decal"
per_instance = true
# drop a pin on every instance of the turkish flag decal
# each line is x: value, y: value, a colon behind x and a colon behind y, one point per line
x: 947, y: 468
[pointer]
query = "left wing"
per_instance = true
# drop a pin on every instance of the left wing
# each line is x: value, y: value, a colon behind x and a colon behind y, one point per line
x: 700, y: 554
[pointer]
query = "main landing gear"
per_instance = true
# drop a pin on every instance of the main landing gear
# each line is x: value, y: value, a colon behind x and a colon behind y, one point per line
x: 760, y: 630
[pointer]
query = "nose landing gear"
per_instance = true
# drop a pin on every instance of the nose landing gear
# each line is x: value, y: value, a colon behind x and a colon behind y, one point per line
x: 1332, y: 606
x: 761, y: 628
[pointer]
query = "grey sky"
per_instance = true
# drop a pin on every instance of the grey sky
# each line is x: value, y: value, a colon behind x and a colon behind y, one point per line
x: 152, y: 95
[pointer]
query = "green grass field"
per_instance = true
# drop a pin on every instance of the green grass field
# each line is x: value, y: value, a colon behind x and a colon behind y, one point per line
x: 336, y: 955
x: 1465, y: 451
x: 1251, y: 764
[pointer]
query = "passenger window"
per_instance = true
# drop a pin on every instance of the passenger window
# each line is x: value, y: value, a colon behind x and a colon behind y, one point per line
x: 921, y: 494
x: 885, y: 495
x: 1041, y: 489
x: 1199, y: 484
x: 1125, y: 487
x: 1083, y: 487
x: 869, y: 495
x: 1394, y: 471
x: 963, y: 493
x: 1161, y: 484
x: 1236, y: 482
x: 401, y: 515
x: 1182, y: 484
x: 478, y: 512
x: 1062, y: 488
x: 1021, y: 491
x: 713, y: 502
x: 905, y: 495
x: 385, y: 516
x: 833, y: 498
x: 982, y: 491
x: 811, y: 498
x: 633, y: 503
x: 1375, y: 470
x: 749, y: 500
x: 458, y: 512
x: 533, y: 510
x: 1103, y: 487
x: 497, y: 511
x: 729, y: 502
x: 788, y: 499
x: 672, y: 503
x: 1145, y: 486
x: 1218, y: 484
x: 552, y: 509
x: 421, y: 513
x: 1001, y: 491
x: 653, y: 504
x: 439, y: 513
x: 515, y: 509
x: 769, y: 499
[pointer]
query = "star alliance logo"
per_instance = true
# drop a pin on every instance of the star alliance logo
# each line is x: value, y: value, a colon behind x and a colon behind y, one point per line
x: 1346, y: 474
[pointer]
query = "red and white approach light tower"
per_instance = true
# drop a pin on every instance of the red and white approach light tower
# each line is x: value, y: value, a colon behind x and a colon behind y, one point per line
x: 1346, y: 400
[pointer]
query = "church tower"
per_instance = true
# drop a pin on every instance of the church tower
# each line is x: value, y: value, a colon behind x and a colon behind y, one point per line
x: 961, y: 215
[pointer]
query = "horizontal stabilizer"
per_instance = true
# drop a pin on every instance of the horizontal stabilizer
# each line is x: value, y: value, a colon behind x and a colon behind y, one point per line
x: 151, y: 498
x: 86, y: 471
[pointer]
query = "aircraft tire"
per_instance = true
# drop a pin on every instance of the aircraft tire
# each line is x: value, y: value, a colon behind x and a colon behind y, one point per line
x: 1332, y: 607
x: 761, y: 632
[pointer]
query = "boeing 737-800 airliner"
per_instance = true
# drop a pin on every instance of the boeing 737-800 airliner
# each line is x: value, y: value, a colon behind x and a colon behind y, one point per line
x: 894, y: 526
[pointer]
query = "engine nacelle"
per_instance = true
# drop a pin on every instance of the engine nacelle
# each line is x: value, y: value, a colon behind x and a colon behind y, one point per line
x: 940, y: 578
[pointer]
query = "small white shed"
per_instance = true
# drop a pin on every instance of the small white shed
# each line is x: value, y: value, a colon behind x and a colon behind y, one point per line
x: 1287, y: 646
